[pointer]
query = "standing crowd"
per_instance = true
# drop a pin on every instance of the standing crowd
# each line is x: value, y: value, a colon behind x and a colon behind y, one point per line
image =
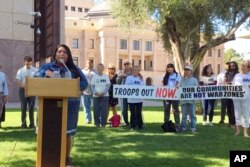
x: 97, y: 90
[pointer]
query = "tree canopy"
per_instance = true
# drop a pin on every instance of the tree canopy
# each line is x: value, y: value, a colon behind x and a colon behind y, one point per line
x: 232, y: 55
x: 188, y: 28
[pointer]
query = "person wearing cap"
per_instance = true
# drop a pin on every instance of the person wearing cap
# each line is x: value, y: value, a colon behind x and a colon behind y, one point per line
x: 208, y: 78
x: 188, y: 105
x: 87, y: 94
x: 121, y: 79
x: 171, y: 79
x: 3, y: 94
x: 112, y: 77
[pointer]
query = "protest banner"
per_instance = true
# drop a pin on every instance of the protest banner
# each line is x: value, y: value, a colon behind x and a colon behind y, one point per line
x: 182, y: 93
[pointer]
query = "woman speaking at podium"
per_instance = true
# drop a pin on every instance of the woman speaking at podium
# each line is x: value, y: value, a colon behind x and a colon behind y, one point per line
x: 62, y: 66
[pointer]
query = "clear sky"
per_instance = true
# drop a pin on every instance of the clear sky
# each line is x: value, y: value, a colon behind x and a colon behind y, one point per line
x: 242, y: 46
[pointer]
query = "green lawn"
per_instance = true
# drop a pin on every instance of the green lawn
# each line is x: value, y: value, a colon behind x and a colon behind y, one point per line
x: 107, y: 147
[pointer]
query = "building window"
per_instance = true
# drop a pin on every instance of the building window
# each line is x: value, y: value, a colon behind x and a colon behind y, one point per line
x: 210, y: 53
x: 133, y: 63
x: 86, y: 10
x: 218, y: 68
x: 218, y: 52
x: 79, y: 9
x: 136, y: 44
x: 151, y: 63
x: 75, y: 43
x: 73, y: 8
x: 75, y: 60
x: 91, y: 44
x: 149, y: 46
x: 123, y: 44
x: 120, y: 64
x: 66, y: 7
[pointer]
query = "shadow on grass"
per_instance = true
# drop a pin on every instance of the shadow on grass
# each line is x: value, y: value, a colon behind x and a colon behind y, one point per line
x: 19, y: 163
x: 103, y: 147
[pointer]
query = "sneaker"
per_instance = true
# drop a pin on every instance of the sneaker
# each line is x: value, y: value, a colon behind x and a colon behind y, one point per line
x: 211, y: 124
x: 131, y: 129
x: 68, y: 162
x: 193, y: 130
x: 204, y: 123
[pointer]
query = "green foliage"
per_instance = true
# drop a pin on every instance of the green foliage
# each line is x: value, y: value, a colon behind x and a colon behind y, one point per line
x: 231, y: 55
x: 182, y: 24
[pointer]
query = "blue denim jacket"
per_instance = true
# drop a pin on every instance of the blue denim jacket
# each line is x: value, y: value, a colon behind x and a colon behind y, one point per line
x: 53, y: 66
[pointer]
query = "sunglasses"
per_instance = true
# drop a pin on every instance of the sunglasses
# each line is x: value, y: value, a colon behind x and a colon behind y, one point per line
x: 186, y: 69
x: 111, y: 68
x: 126, y: 63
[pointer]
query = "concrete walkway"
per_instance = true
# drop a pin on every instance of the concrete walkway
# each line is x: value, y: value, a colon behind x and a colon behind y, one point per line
x: 145, y: 103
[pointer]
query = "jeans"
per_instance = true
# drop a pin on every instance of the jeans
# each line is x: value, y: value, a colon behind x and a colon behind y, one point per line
x: 136, y: 115
x: 27, y: 101
x: 185, y: 109
x: 124, y: 109
x: 101, y: 106
x: 167, y: 106
x: 86, y: 103
x: 208, y: 108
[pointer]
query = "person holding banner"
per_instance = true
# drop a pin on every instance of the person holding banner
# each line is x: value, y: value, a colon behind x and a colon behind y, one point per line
x: 188, y: 105
x: 233, y: 69
x: 208, y: 78
x: 241, y: 107
x: 171, y: 79
x: 135, y: 105
x: 121, y: 79
x: 223, y: 106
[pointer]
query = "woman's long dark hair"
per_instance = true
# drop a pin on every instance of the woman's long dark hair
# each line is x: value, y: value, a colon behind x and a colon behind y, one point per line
x: 204, y: 71
x: 166, y: 77
x: 229, y: 75
x: 70, y: 64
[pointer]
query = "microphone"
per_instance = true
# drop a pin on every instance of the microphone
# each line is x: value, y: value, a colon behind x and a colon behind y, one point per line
x: 62, y: 61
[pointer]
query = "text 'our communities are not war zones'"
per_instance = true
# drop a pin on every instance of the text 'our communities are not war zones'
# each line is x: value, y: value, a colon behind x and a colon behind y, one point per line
x: 181, y: 93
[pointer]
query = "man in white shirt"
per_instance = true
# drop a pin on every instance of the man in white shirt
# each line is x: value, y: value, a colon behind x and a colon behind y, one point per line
x: 3, y: 93
x: 87, y: 96
x: 27, y: 71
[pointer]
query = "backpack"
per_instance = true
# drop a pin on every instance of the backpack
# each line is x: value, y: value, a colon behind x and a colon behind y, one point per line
x: 169, y: 126
x: 115, y: 121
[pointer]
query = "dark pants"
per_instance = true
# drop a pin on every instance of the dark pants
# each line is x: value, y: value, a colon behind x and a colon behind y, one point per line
x: 27, y: 101
x: 208, y: 108
x: 223, y: 109
x: 230, y: 111
x: 136, y: 115
x: 100, y: 107
x: 167, y: 106
x: 124, y: 108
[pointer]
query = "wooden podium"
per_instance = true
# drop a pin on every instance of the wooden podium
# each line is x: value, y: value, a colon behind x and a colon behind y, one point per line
x: 53, y: 96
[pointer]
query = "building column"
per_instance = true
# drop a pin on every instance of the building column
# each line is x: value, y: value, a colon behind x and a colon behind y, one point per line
x: 102, y: 47
x: 130, y: 49
x: 142, y: 55
x: 117, y: 52
x: 154, y: 55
